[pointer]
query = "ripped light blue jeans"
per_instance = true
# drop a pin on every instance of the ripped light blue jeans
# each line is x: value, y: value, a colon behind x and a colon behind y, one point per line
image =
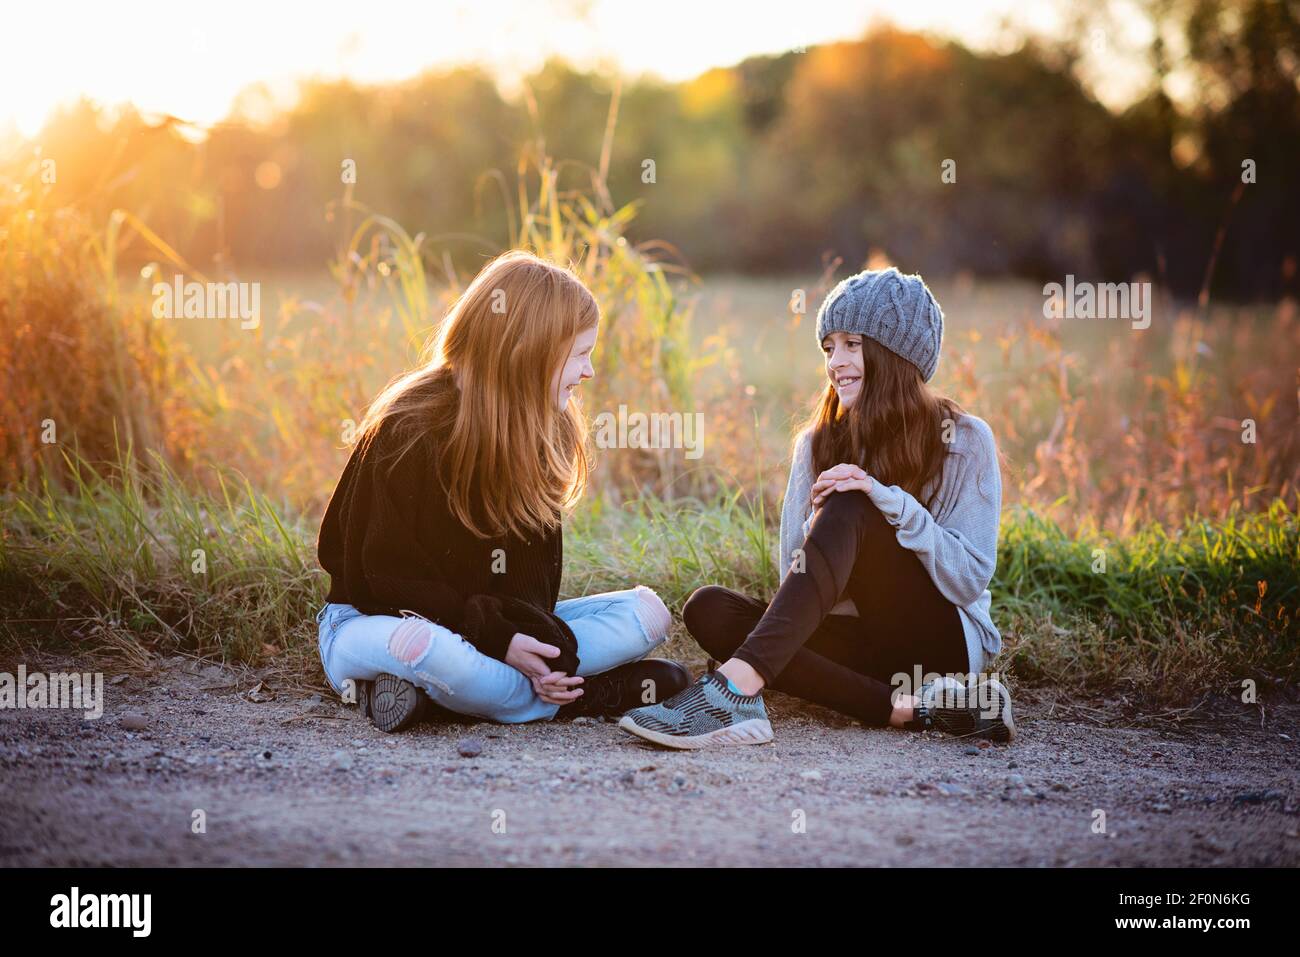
x: 612, y: 628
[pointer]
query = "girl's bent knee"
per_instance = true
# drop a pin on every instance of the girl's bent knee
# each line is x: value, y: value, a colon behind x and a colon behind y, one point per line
x: 704, y: 614
x: 847, y: 511
x: 653, y: 614
x: 409, y: 641
x: 846, y: 503
x: 703, y: 607
x: 415, y: 644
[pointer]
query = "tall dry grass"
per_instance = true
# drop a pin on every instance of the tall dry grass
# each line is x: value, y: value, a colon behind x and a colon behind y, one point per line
x: 83, y: 365
x: 1101, y: 427
x: 1125, y: 443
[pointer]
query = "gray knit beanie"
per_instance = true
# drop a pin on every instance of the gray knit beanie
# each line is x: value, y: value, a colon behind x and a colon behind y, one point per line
x: 896, y: 310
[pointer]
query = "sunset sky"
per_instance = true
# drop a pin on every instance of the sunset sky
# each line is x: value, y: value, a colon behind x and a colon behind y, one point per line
x: 191, y: 61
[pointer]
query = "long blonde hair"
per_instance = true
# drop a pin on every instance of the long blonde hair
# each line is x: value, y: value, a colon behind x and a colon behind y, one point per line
x: 513, y: 461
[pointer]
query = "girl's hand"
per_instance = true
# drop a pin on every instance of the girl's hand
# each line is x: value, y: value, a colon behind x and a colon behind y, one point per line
x: 529, y: 657
x: 558, y: 688
x: 841, y: 478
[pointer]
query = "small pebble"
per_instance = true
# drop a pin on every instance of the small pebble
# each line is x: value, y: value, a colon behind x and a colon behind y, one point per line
x: 133, y: 722
x: 469, y: 747
x: 972, y: 750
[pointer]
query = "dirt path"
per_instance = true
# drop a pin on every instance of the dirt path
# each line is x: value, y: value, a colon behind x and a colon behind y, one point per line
x: 288, y: 781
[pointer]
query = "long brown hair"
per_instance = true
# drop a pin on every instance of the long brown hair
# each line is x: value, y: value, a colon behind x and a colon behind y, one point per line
x: 512, y: 460
x: 895, y: 429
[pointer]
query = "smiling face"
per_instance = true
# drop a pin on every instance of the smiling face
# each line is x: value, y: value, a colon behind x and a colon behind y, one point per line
x: 576, y: 367
x: 844, y: 365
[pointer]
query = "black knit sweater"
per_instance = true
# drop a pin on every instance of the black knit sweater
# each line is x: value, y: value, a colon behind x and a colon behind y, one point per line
x: 391, y: 543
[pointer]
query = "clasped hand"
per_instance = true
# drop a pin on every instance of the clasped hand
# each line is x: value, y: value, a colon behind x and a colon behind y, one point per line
x: 841, y: 478
x: 530, y: 657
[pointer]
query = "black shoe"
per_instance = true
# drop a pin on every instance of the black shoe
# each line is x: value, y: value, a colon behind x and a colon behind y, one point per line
x: 628, y: 686
x: 393, y: 703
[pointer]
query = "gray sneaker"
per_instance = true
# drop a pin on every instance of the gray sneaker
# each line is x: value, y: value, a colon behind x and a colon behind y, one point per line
x: 948, y: 705
x: 707, y: 714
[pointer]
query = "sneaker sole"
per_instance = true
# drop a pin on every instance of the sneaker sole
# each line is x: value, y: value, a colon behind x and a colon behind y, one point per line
x: 1005, y: 730
x: 394, y: 703
x: 1008, y: 724
x: 753, y: 731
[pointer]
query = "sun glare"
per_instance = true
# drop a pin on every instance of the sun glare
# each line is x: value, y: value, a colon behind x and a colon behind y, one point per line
x: 192, y: 62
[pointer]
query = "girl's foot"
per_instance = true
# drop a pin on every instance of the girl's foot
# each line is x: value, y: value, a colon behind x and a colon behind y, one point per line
x: 948, y: 705
x: 706, y: 714
x: 612, y: 693
x: 393, y: 703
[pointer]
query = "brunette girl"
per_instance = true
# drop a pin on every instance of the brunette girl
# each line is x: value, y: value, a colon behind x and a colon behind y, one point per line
x: 889, y: 536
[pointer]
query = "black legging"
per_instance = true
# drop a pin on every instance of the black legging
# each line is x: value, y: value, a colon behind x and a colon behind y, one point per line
x: 839, y: 661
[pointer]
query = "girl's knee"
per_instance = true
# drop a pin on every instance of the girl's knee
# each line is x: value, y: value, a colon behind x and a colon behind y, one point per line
x: 653, y: 614
x: 845, y: 503
x: 430, y: 652
x: 848, y: 510
x: 410, y: 640
x: 702, y: 606
x: 705, y: 614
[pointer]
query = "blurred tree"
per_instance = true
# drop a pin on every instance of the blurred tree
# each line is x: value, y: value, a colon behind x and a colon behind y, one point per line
x: 774, y: 162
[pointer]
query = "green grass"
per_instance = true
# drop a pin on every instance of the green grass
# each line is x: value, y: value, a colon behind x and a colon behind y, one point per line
x: 136, y: 559
x: 157, y: 553
x: 1172, y: 615
x: 110, y: 566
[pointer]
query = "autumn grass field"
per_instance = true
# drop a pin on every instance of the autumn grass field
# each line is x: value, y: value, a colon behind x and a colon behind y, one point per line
x: 163, y: 478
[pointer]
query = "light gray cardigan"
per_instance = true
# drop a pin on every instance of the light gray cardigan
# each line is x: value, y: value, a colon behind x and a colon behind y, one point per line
x: 958, y: 544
